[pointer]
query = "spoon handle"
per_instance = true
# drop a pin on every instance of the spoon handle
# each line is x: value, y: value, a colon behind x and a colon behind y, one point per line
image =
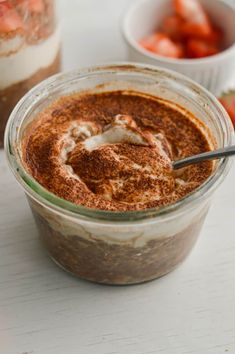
x: 210, y: 155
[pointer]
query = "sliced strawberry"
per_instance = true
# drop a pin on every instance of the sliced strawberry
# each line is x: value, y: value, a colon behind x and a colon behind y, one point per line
x: 204, y: 32
x: 9, y: 18
x: 36, y: 6
x: 161, y: 44
x: 196, y: 30
x: 199, y: 49
x: 191, y: 11
x: 148, y: 42
x: 228, y: 101
x: 172, y: 26
x: 216, y: 36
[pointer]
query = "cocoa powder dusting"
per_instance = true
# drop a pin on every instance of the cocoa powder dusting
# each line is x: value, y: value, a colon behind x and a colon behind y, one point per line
x: 113, y: 150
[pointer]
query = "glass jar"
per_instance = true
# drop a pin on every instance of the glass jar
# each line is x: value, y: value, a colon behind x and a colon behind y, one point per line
x: 29, y: 50
x: 119, y: 247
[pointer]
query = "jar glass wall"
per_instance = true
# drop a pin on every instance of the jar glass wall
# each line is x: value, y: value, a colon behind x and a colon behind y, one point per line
x: 29, y: 50
x: 119, y: 247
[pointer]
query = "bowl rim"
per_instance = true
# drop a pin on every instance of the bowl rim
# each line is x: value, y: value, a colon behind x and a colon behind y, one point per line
x: 185, y: 61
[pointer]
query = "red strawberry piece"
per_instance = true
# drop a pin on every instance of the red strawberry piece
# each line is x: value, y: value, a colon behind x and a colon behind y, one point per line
x: 199, y: 49
x: 172, y: 26
x: 36, y: 6
x: 161, y: 44
x: 9, y: 18
x: 196, y: 30
x: 191, y: 11
x: 216, y: 36
x: 197, y: 23
x: 228, y: 101
x: 148, y: 42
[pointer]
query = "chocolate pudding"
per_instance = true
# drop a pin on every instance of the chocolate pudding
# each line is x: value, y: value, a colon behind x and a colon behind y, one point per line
x: 29, y: 50
x: 112, y: 151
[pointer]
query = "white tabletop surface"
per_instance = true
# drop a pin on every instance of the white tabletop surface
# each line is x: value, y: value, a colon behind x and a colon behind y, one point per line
x: 43, y: 310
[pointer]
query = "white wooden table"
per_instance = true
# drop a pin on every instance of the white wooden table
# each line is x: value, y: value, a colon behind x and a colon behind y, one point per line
x: 43, y: 310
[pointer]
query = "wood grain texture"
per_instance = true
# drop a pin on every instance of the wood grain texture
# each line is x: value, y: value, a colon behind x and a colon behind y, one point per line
x: 43, y: 310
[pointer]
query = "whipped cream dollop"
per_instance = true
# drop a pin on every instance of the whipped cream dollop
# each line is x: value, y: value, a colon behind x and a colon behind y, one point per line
x: 121, y: 163
x: 112, y: 151
x: 122, y: 130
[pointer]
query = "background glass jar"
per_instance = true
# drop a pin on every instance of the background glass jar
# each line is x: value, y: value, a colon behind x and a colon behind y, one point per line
x: 119, y: 247
x: 29, y: 50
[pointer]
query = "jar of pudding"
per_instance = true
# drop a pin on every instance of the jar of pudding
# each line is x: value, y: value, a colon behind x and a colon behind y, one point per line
x: 29, y: 50
x: 93, y: 151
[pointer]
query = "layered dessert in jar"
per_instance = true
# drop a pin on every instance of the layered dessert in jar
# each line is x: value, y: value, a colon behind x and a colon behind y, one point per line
x: 114, y: 150
x: 97, y: 168
x: 29, y: 50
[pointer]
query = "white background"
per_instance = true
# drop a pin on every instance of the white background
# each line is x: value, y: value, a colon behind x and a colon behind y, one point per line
x: 43, y: 310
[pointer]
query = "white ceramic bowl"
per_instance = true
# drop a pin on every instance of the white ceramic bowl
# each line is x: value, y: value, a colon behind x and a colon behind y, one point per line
x: 216, y: 73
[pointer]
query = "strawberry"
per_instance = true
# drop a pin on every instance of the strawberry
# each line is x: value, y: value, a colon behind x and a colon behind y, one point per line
x: 36, y: 6
x: 197, y: 23
x: 148, y: 42
x: 161, y: 44
x: 191, y: 11
x: 228, y: 101
x: 196, y: 30
x: 9, y: 18
x: 172, y: 26
x: 216, y: 36
x: 197, y: 48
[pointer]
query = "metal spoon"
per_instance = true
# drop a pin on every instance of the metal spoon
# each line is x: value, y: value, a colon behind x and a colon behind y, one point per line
x: 211, y: 155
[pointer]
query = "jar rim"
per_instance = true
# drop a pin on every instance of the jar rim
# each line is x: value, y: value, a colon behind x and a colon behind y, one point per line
x: 59, y: 205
